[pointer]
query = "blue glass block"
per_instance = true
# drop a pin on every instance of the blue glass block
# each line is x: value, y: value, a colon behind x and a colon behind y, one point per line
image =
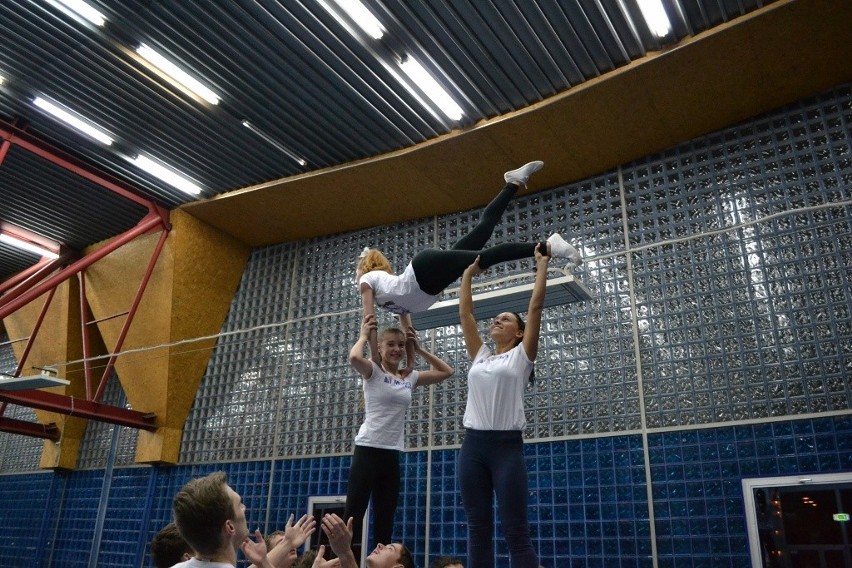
x: 749, y: 468
x: 807, y: 464
x: 829, y: 463
x: 769, y: 467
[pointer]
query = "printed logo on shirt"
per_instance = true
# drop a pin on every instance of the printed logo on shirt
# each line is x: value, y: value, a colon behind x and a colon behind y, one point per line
x: 397, y: 382
x: 493, y: 358
x: 394, y: 309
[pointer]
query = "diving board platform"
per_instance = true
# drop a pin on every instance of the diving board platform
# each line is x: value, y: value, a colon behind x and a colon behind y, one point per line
x: 563, y: 290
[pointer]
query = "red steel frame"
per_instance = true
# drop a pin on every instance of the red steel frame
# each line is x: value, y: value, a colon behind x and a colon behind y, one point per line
x: 29, y: 284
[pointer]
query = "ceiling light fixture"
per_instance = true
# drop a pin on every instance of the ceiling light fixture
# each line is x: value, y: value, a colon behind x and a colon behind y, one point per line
x: 340, y: 19
x: 655, y: 16
x: 561, y: 290
x: 362, y: 16
x: 166, y: 174
x: 27, y: 246
x: 79, y: 8
x: 73, y: 120
x: 274, y: 143
x: 45, y: 378
x: 427, y: 83
x: 184, y: 79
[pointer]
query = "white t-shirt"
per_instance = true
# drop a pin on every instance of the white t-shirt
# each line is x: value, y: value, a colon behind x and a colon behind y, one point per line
x: 398, y: 294
x: 386, y: 400
x: 195, y: 563
x: 495, y: 390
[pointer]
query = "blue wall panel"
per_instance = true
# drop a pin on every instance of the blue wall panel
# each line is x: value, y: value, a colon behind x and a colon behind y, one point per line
x: 78, y: 513
x: 696, y: 480
x: 28, y: 511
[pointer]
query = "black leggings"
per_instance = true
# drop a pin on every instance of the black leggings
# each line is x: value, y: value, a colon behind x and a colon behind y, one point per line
x: 375, y: 472
x: 435, y: 269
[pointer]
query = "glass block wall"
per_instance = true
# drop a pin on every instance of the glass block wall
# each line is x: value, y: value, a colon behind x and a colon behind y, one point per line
x: 17, y: 453
x: 717, y: 346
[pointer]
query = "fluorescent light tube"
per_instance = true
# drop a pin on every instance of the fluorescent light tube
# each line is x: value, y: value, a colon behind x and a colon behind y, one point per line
x: 27, y: 246
x: 272, y: 141
x: 73, y: 120
x: 425, y: 82
x: 363, y: 17
x: 655, y: 16
x: 166, y: 174
x: 80, y: 8
x: 177, y: 74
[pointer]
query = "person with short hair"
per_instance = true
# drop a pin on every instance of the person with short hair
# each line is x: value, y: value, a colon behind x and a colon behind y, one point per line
x: 447, y: 562
x: 169, y: 548
x: 211, y: 517
x: 281, y: 545
x: 340, y: 539
x: 273, y: 539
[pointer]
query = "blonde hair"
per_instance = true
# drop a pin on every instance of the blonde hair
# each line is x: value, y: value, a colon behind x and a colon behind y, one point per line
x: 395, y: 329
x: 374, y: 260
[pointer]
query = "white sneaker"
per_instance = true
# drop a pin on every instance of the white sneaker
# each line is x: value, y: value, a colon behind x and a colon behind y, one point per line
x: 559, y: 248
x: 522, y: 174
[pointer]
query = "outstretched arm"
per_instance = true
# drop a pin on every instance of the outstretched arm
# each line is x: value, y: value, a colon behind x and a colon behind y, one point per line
x: 470, y: 331
x: 356, y: 355
x: 340, y: 538
x: 369, y: 304
x: 321, y: 562
x: 295, y: 535
x: 533, y: 329
x: 255, y: 550
x: 438, y: 371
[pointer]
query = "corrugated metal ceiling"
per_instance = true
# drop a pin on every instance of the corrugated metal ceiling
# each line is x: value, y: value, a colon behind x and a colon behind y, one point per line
x: 295, y: 73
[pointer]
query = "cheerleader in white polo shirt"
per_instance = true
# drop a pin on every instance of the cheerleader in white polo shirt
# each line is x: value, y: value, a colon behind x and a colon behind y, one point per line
x: 491, y: 460
x: 387, y: 395
x: 432, y: 270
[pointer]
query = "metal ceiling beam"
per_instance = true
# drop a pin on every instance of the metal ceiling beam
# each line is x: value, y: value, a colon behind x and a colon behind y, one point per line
x: 80, y: 408
x: 37, y: 280
x: 31, y: 339
x: 32, y: 429
x: 148, y: 223
x: 12, y: 135
x: 22, y: 281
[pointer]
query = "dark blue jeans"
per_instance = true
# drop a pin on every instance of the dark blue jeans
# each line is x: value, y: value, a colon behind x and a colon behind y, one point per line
x: 492, y: 463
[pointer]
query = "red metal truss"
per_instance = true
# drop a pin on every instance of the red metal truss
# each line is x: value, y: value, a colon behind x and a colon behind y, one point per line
x: 45, y: 276
x: 15, y: 426
x: 81, y: 408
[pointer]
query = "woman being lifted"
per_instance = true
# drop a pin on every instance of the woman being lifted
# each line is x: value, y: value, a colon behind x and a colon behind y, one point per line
x: 433, y: 270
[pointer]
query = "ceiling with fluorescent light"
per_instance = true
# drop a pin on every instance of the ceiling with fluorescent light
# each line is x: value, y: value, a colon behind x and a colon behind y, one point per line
x: 336, y: 139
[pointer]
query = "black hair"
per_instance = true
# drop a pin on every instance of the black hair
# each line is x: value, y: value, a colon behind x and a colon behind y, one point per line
x: 522, y: 325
